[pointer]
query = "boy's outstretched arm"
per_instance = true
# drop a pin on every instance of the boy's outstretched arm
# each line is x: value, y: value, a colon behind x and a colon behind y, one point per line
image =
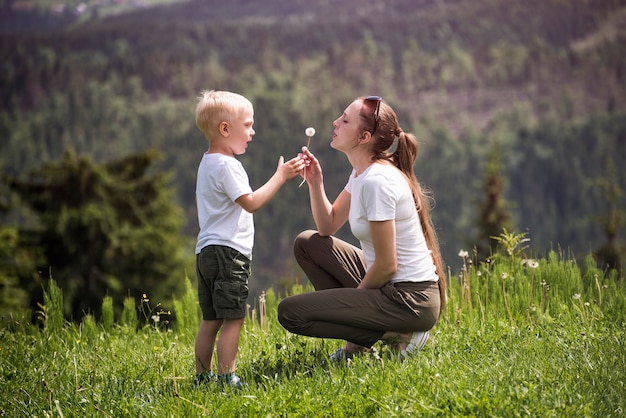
x: 285, y: 171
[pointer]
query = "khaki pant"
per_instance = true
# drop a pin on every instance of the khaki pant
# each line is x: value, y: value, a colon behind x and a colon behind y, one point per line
x: 338, y: 310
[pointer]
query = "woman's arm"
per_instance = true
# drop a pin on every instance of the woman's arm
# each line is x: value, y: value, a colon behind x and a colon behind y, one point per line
x: 329, y: 217
x: 385, y: 262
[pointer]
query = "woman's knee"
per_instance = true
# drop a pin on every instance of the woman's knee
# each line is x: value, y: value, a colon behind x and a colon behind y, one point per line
x: 303, y: 238
x: 302, y: 243
x: 285, y: 314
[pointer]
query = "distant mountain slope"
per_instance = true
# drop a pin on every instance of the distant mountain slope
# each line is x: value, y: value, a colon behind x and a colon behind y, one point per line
x: 477, y: 22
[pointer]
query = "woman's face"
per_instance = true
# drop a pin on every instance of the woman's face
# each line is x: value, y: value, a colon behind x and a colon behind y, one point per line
x: 347, y: 131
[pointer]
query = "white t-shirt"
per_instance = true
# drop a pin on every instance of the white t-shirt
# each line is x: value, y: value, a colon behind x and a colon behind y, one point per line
x: 382, y: 193
x: 222, y: 180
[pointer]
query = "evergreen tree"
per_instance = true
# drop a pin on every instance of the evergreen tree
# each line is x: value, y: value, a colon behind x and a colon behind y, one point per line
x: 493, y: 215
x: 14, y: 260
x: 611, y: 253
x: 105, y: 229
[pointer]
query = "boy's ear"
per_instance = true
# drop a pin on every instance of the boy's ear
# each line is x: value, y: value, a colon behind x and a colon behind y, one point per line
x: 223, y: 129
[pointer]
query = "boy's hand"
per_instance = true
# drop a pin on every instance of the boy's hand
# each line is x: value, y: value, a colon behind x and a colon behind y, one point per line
x: 291, y: 168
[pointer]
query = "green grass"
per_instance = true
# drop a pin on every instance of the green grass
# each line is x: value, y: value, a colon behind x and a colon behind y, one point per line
x: 558, y: 352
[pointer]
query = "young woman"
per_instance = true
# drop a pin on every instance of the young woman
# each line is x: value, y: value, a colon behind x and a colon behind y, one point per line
x: 392, y: 288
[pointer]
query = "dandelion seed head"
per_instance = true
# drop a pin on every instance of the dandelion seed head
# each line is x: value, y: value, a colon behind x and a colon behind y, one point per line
x: 586, y: 303
x: 463, y: 254
x: 310, y: 131
x: 156, y: 318
x: 478, y: 273
x: 504, y: 275
x: 576, y: 296
x: 533, y: 264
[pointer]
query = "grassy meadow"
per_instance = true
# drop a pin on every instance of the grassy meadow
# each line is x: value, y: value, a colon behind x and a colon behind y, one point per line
x: 519, y: 337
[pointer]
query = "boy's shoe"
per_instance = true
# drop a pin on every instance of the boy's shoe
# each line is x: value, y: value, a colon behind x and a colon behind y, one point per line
x: 205, y: 377
x: 230, y: 379
x: 416, y: 343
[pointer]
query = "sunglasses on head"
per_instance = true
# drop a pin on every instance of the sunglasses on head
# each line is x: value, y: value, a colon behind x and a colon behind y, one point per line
x: 371, y: 104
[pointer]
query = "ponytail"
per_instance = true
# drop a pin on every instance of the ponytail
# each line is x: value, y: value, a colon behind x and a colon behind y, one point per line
x: 404, y: 158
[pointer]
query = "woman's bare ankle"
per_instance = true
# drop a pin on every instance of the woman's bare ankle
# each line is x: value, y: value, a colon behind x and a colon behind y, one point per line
x: 352, y: 348
x: 397, y: 341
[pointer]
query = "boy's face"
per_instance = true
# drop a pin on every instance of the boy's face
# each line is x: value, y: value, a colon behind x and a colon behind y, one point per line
x: 237, y: 133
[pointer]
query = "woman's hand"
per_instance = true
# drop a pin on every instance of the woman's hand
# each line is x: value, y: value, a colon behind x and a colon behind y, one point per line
x: 313, y: 172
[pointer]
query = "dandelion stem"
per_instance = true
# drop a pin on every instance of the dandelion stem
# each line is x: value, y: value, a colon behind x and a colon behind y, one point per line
x: 308, y: 142
x: 530, y: 294
x: 595, y: 276
x: 506, y: 303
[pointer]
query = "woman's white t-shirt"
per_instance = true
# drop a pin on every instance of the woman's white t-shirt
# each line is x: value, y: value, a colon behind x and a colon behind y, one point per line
x: 222, y: 180
x: 382, y: 193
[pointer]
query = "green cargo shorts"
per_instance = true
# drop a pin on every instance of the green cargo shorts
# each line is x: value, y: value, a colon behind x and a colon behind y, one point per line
x: 223, y: 274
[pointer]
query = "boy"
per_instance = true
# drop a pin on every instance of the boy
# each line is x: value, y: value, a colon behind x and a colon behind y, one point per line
x: 225, y: 204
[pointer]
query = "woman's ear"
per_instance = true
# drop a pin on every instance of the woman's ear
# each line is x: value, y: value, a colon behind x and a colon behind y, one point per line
x: 365, y: 137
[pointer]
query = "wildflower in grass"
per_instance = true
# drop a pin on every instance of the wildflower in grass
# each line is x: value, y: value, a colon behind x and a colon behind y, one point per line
x: 533, y: 264
x: 144, y: 298
x: 156, y: 318
x: 262, y: 311
x: 504, y: 276
x: 155, y: 348
x: 463, y: 254
x: 583, y: 305
x: 545, y: 288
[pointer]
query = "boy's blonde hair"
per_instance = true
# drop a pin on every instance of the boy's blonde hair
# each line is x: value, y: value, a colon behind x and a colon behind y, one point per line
x: 215, y: 107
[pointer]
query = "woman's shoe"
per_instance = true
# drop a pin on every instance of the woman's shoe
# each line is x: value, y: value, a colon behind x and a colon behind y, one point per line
x: 416, y: 343
x: 339, y: 355
x: 342, y: 354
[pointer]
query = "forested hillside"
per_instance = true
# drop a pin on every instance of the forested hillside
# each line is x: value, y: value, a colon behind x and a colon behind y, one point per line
x: 541, y: 81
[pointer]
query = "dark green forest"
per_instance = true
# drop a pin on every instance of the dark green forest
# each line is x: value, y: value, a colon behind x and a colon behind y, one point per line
x: 519, y: 107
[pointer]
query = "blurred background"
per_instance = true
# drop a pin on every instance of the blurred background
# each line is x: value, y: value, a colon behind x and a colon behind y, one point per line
x: 519, y: 107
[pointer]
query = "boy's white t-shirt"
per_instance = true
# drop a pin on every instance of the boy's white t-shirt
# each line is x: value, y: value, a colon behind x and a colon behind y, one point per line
x: 221, y: 180
x: 382, y: 193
